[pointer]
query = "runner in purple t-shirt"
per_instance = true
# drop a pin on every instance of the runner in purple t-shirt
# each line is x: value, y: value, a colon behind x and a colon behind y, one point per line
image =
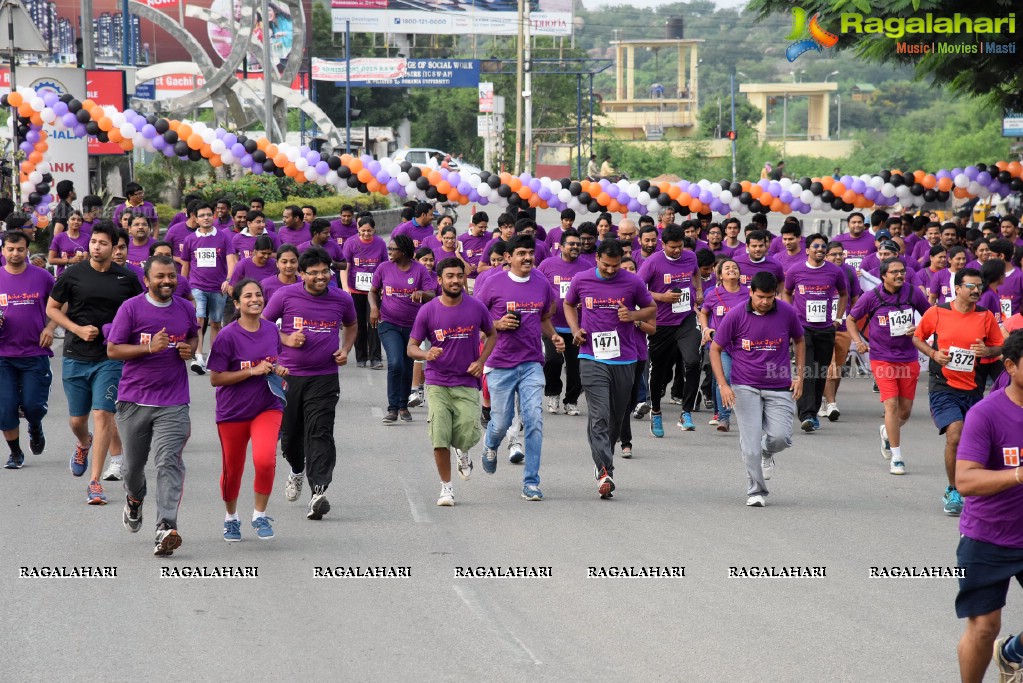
x: 344, y: 227
x: 717, y: 302
x: 182, y: 290
x: 419, y: 228
x: 293, y: 231
x: 138, y: 247
x: 287, y: 272
x: 762, y: 391
x: 319, y: 231
x: 255, y: 227
x: 857, y: 242
x: 69, y: 246
x: 452, y: 324
x: 155, y: 334
x: 209, y: 261
x: 259, y: 266
x: 473, y: 243
x: 559, y: 271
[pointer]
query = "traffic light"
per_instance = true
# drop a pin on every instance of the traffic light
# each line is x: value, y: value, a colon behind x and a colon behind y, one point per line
x: 732, y: 135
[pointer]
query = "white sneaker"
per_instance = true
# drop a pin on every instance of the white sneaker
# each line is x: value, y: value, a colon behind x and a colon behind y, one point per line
x: 832, y: 412
x: 464, y: 464
x: 415, y: 399
x: 898, y: 467
x: 571, y: 409
x: 293, y: 488
x: 58, y: 333
x: 767, y: 466
x: 553, y: 405
x: 886, y: 447
x: 113, y: 472
x: 198, y: 365
x: 447, y: 495
x: 823, y: 412
x: 756, y: 501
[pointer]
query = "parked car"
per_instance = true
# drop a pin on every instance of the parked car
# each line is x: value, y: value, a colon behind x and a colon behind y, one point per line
x: 420, y: 156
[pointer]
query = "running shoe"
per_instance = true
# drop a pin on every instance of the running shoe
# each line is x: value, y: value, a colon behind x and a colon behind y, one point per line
x: 713, y: 420
x: 416, y: 398
x: 571, y: 409
x: 360, y: 364
x: 15, y: 462
x: 390, y: 418
x: 641, y: 410
x: 898, y: 467
x: 953, y: 502
x: 167, y: 540
x: 708, y: 404
x: 626, y: 452
x: 464, y: 464
x: 114, y: 472
x: 489, y: 460
x: 875, y: 389
x: 1008, y: 672
x: 293, y: 489
x: 36, y: 439
x: 886, y: 446
x: 756, y: 502
x: 447, y: 495
x: 198, y: 365
x: 676, y: 400
x: 95, y: 494
x: 515, y: 455
x: 724, y: 425
x: 606, y: 485
x: 656, y: 425
x: 404, y: 415
x: 823, y: 412
x: 232, y: 531
x: 80, y: 459
x: 832, y: 412
x: 553, y: 405
x: 378, y: 365
x: 318, y: 504
x: 806, y: 425
x: 532, y: 492
x: 132, y: 517
x: 685, y: 423
x: 767, y: 465
x: 264, y: 530
x: 816, y: 422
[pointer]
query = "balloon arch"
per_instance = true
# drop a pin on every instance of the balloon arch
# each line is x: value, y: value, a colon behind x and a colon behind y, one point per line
x: 195, y: 141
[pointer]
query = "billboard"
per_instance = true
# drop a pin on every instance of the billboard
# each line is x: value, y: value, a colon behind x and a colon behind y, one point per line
x: 68, y: 153
x: 400, y: 72
x: 496, y: 17
x: 105, y: 87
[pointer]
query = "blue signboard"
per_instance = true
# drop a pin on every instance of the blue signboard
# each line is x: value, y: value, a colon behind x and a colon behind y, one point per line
x: 1012, y: 124
x: 145, y: 91
x: 420, y: 73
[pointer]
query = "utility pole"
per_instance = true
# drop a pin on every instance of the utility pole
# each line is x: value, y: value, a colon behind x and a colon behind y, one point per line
x: 518, y: 91
x: 268, y: 100
x: 348, y: 87
x: 527, y: 93
x: 736, y: 132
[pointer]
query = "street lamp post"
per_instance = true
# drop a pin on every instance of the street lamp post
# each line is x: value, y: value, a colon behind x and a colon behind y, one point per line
x: 838, y: 133
x: 833, y: 73
x: 732, y: 85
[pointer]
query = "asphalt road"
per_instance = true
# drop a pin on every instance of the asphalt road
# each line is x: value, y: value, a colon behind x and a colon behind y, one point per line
x: 680, y: 503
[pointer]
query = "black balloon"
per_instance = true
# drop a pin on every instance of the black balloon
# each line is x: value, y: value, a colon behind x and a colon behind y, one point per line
x: 827, y: 196
x: 847, y: 207
x: 678, y: 208
x: 514, y: 201
x: 250, y: 146
x: 268, y: 165
x: 3, y: 100
x: 34, y: 198
x: 422, y: 183
x: 755, y: 206
x: 504, y: 191
x: 278, y: 171
x: 324, y: 156
x: 92, y: 128
x: 816, y: 188
x: 565, y: 183
x: 897, y: 179
x: 259, y: 156
x: 161, y: 126
x: 664, y: 199
x: 151, y: 119
x: 102, y: 136
x: 575, y: 189
x: 171, y: 137
x: 66, y: 97
x: 406, y: 166
x: 653, y: 192
x: 83, y: 116
x: 943, y: 195
x: 886, y: 176
x: 362, y: 187
x: 334, y: 162
x: 353, y: 181
x: 981, y: 167
x: 415, y: 173
x: 431, y: 192
x: 22, y: 131
x: 735, y: 189
x: 837, y: 204
x: 644, y: 185
x: 746, y: 198
x: 595, y: 207
x: 48, y: 178
x: 344, y: 171
x: 930, y: 195
x: 181, y: 148
x: 916, y: 189
x: 805, y: 183
x: 43, y: 188
x: 73, y: 105
x: 1005, y: 177
x: 584, y: 198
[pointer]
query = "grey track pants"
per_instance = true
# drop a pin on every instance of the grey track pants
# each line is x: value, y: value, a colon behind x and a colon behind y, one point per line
x: 764, y: 417
x: 608, y: 390
x: 164, y: 431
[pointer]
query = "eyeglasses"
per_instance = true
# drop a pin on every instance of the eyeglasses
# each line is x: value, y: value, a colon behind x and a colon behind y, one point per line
x: 970, y: 285
x: 318, y: 273
x: 818, y: 247
x: 896, y: 272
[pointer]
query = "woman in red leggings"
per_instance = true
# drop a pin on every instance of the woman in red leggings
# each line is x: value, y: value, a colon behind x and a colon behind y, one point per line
x: 241, y: 362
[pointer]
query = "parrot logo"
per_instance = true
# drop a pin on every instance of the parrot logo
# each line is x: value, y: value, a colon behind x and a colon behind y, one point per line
x: 818, y: 40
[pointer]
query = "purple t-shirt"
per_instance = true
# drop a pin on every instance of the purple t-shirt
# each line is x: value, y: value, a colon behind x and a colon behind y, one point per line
x: 856, y: 248
x: 235, y: 348
x: 718, y: 301
x: 872, y: 264
x: 160, y: 378
x: 432, y: 243
x: 245, y: 244
x: 778, y: 247
x: 472, y: 248
x: 855, y: 291
x: 396, y: 286
x: 730, y: 252
x: 146, y: 209
x: 23, y: 304
x: 993, y: 437
x: 748, y: 269
x: 272, y: 284
x: 415, y: 232
x: 532, y: 299
x: 553, y: 239
x: 137, y: 254
x: 341, y: 232
x: 320, y: 319
x: 885, y: 309
x: 608, y: 339
x: 992, y: 302
x: 759, y: 344
x: 332, y: 248
x: 812, y: 291
x: 922, y: 253
x: 487, y: 274
x: 559, y: 273
x: 247, y: 268
x: 456, y: 330
x: 296, y: 237
x: 66, y: 246
x: 910, y: 241
x: 787, y: 260
x: 661, y: 274
x: 941, y: 285
x: 923, y: 278
x: 207, y: 258
x: 363, y: 259
x: 1013, y: 288
x: 181, y: 289
x: 176, y: 236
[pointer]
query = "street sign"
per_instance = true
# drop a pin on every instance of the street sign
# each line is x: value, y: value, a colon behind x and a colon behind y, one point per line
x: 1012, y: 124
x: 145, y: 91
x: 486, y: 91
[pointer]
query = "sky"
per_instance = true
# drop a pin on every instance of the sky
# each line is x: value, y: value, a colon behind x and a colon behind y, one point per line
x: 645, y: 4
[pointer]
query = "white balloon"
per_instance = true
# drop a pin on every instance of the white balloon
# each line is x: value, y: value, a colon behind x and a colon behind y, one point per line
x: 564, y: 196
x: 623, y: 184
x: 983, y: 191
x: 877, y: 182
x: 888, y: 190
x: 726, y: 197
x: 703, y: 184
x: 311, y: 175
x: 785, y: 183
x: 35, y: 177
x: 393, y: 169
x: 806, y: 196
x: 218, y: 147
x: 227, y: 157
x: 475, y: 180
x: 48, y: 115
x: 28, y: 188
x: 961, y: 180
x: 715, y: 189
x: 653, y: 206
x: 633, y: 190
x: 43, y: 167
x: 128, y: 130
x: 333, y: 178
x: 817, y: 203
x: 37, y: 104
x: 402, y: 178
x: 411, y: 190
x: 643, y: 198
x: 208, y: 136
x: 118, y: 120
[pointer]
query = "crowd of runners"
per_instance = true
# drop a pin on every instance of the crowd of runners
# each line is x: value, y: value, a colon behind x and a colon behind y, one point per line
x: 491, y: 328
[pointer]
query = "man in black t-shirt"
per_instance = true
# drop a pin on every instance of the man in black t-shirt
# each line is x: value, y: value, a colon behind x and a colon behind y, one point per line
x: 93, y: 291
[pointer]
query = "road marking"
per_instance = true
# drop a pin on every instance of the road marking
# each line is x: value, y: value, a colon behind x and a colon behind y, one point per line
x: 419, y: 515
x: 487, y: 616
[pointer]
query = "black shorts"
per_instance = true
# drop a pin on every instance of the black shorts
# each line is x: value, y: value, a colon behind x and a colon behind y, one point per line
x: 989, y: 571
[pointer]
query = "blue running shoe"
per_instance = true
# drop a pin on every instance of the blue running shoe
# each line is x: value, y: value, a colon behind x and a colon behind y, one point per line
x: 36, y: 439
x: 489, y: 460
x: 685, y: 422
x: 232, y: 530
x: 264, y: 531
x: 953, y: 502
x: 15, y: 462
x: 80, y: 459
x: 532, y: 492
x: 656, y: 426
x: 816, y: 423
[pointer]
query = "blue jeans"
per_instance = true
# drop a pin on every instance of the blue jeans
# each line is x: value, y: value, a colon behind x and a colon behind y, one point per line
x: 24, y: 381
x: 394, y: 339
x: 724, y: 414
x: 526, y: 381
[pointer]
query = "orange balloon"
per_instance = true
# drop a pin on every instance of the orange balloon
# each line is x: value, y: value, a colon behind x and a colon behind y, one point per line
x: 184, y: 131
x: 216, y: 162
x: 174, y: 125
x: 355, y: 165
x: 684, y: 198
x: 443, y: 187
x: 364, y: 175
x: 373, y: 185
x: 16, y: 98
x: 675, y: 192
x: 1002, y: 165
x: 270, y: 149
x: 849, y: 196
x: 695, y: 206
x: 603, y: 198
x: 776, y: 205
x: 453, y: 196
x: 264, y: 144
x: 515, y: 184
x: 126, y: 144
x: 280, y: 160
x: 194, y: 141
x: 42, y: 221
x: 1015, y: 168
x: 945, y: 184
x: 755, y: 191
x: 87, y: 104
x: 786, y: 209
x: 534, y: 201
x: 745, y: 185
x: 299, y: 177
x: 918, y: 176
x: 434, y: 177
x: 663, y: 186
x: 36, y: 157
x: 613, y: 206
x: 960, y: 193
x: 290, y: 170
x: 524, y: 191
x: 114, y: 135
x: 766, y: 198
x: 929, y: 181
x: 462, y: 201
x: 24, y: 111
x: 346, y: 159
x: 206, y: 151
x: 36, y: 119
x: 827, y: 181
x: 838, y: 188
x: 504, y: 177
x: 105, y: 123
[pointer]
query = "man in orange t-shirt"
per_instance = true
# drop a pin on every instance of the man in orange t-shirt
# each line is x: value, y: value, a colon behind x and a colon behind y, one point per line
x: 963, y: 334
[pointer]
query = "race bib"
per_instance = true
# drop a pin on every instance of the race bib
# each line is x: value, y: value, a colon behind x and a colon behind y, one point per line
x: 206, y: 257
x: 1006, y: 303
x: 960, y: 360
x: 605, y: 345
x: 683, y: 305
x: 564, y: 288
x: 364, y: 281
x: 855, y: 262
x: 817, y: 311
x: 834, y: 309
x: 470, y: 285
x: 899, y: 322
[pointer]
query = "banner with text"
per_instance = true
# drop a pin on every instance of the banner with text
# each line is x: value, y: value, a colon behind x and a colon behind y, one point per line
x: 400, y: 73
x: 496, y: 18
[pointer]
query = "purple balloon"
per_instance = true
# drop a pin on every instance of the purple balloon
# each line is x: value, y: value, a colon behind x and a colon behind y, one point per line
x: 257, y: 169
x: 682, y: 185
x: 796, y: 203
x: 149, y: 131
x: 455, y: 178
x: 60, y: 108
x: 383, y: 176
x: 159, y: 143
x: 323, y: 169
x: 50, y: 98
x: 32, y: 136
x: 534, y: 184
x: 634, y: 205
x: 464, y: 188
x: 69, y: 120
x: 230, y: 140
x: 984, y: 178
x: 805, y: 209
x: 858, y: 186
x: 392, y: 185
x: 774, y: 187
x: 473, y: 196
x: 870, y: 193
x: 942, y: 174
x: 247, y: 161
x: 716, y: 206
x: 238, y: 150
x: 971, y: 172
x: 365, y: 159
x: 27, y: 147
x: 612, y: 191
x: 80, y: 130
x: 706, y: 197
x: 785, y: 197
x: 544, y: 193
x: 484, y: 201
